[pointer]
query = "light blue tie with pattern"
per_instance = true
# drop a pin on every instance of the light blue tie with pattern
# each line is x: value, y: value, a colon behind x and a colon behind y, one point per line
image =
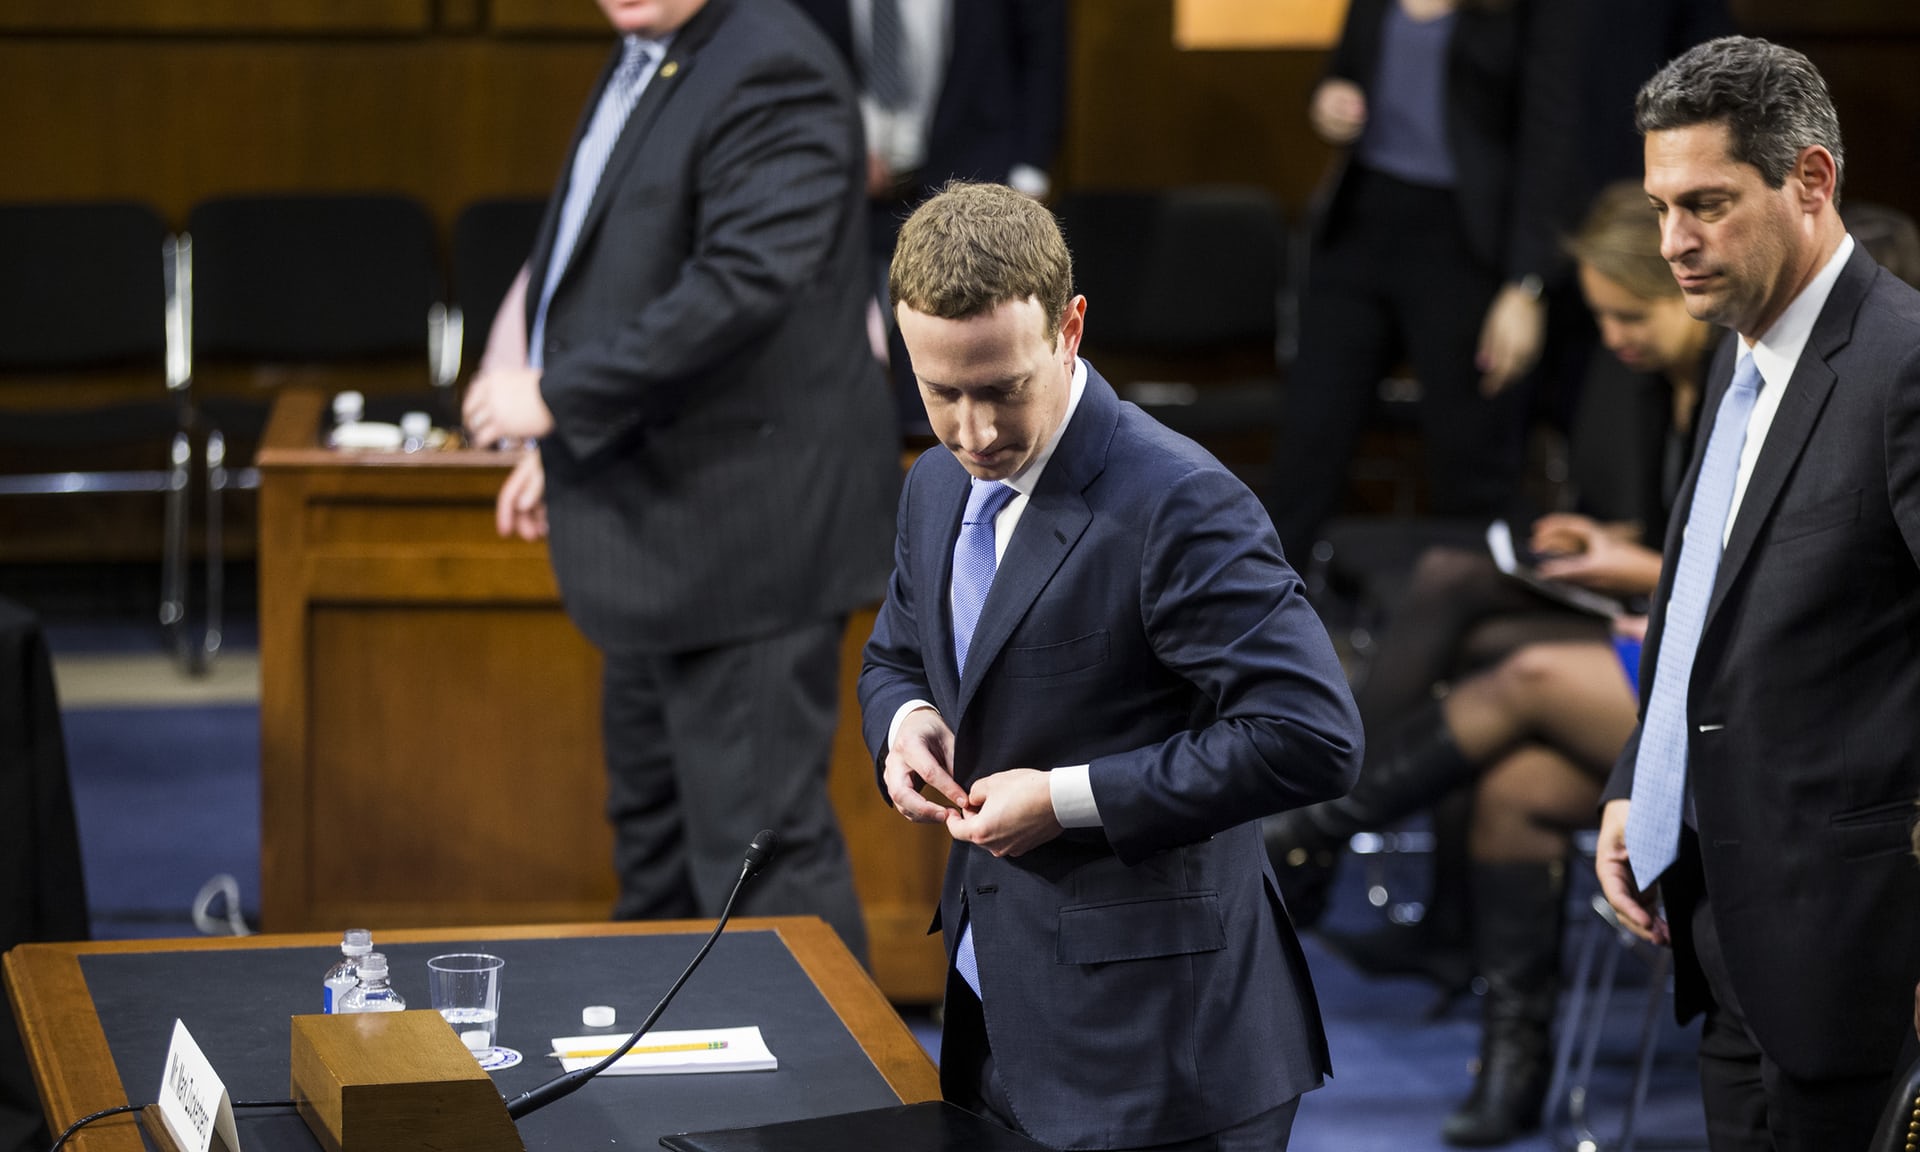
x: 1660, y: 769
x: 973, y: 567
x: 589, y: 161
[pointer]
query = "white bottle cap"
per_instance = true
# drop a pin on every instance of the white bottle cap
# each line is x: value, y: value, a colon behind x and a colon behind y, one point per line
x: 357, y: 942
x: 348, y: 406
x: 373, y: 966
x: 416, y: 425
x: 598, y: 1016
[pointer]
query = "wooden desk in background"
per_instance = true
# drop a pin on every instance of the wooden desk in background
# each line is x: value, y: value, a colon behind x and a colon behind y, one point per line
x: 77, y: 1074
x: 430, y: 718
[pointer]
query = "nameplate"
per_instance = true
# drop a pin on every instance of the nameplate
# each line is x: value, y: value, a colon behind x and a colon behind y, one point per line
x: 194, y: 1104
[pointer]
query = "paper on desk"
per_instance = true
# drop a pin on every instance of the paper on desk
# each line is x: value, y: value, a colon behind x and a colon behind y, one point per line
x: 746, y: 1051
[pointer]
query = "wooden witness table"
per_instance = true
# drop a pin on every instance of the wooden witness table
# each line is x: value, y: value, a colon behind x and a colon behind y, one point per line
x: 77, y: 1074
x: 430, y: 718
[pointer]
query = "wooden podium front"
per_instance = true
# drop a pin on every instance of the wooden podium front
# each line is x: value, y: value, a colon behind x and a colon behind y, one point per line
x: 430, y: 718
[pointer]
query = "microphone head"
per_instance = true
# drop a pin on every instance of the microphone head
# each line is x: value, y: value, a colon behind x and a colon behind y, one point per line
x: 761, y: 850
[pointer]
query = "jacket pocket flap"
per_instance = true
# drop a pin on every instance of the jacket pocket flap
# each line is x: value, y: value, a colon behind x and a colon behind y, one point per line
x: 1056, y: 659
x: 1141, y: 929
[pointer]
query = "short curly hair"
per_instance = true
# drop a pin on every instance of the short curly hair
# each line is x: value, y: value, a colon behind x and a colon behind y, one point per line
x: 973, y: 247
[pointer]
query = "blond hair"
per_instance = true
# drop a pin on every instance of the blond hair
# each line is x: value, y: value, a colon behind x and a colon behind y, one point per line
x: 1620, y: 239
x: 973, y: 247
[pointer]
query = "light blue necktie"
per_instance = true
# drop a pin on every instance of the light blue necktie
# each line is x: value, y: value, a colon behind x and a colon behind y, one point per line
x: 973, y: 567
x: 589, y: 161
x: 1660, y: 770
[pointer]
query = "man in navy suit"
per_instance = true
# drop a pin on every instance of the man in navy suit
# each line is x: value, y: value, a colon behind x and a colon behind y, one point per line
x: 717, y: 454
x: 1768, y: 791
x: 1096, y: 663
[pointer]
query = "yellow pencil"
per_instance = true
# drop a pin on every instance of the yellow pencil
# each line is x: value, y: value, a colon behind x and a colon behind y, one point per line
x: 642, y: 1049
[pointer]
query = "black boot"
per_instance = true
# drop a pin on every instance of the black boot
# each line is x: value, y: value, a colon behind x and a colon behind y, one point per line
x: 1518, y: 915
x: 1438, y: 947
x: 1416, y: 767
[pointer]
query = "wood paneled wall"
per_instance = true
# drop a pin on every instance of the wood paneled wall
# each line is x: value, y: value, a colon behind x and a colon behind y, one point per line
x: 452, y: 100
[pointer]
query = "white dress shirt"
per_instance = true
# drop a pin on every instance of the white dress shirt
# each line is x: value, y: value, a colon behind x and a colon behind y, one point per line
x: 1776, y: 353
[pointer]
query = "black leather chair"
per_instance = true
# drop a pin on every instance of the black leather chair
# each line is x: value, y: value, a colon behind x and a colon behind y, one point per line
x: 298, y: 281
x: 491, y: 242
x: 1899, y: 1127
x: 42, y: 893
x: 90, y: 300
x: 1185, y: 290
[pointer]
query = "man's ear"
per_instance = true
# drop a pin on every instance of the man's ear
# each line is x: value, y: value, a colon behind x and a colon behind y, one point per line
x: 1073, y: 325
x: 1819, y: 177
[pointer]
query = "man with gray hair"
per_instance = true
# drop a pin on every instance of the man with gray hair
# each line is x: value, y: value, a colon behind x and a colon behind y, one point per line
x: 1766, y: 796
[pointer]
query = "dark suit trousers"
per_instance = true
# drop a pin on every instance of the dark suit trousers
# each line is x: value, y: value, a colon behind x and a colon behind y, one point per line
x: 1752, y: 1104
x: 969, y: 1080
x: 706, y: 748
x: 1393, y: 279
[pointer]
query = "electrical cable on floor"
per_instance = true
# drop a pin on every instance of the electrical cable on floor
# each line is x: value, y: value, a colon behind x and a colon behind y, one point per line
x: 234, y: 924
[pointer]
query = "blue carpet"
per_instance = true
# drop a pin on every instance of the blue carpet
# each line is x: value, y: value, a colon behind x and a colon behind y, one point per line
x: 165, y: 799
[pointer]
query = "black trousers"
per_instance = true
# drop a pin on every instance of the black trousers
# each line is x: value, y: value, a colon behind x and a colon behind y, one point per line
x: 706, y: 748
x: 1752, y: 1104
x: 1394, y: 280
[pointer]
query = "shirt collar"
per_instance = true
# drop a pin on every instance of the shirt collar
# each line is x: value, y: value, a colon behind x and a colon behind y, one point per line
x: 1028, y: 478
x: 1778, y: 351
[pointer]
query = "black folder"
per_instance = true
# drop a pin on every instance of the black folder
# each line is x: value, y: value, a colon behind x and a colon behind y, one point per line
x: 935, y: 1126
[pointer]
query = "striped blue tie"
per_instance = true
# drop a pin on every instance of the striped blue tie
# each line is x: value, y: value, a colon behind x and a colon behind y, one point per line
x: 589, y: 161
x: 1660, y: 770
x: 973, y: 567
x: 886, y: 55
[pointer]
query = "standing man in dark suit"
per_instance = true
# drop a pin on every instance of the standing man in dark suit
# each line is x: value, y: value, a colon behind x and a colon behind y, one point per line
x: 1094, y: 659
x: 717, y: 453
x: 1767, y: 793
x: 949, y: 89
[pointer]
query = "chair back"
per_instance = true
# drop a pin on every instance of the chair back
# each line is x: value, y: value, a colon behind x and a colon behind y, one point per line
x: 1900, y: 1120
x: 83, y: 286
x: 491, y: 242
x: 312, y: 278
x: 1180, y: 270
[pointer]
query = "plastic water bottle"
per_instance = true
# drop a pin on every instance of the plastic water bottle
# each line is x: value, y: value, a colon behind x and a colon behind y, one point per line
x: 415, y: 428
x: 373, y: 993
x: 349, y: 408
x: 344, y: 975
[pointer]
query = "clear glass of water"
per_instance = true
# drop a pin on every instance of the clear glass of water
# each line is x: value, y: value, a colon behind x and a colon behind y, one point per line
x: 465, y: 987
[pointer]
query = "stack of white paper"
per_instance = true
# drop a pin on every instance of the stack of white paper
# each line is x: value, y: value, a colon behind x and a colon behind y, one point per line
x: 664, y: 1053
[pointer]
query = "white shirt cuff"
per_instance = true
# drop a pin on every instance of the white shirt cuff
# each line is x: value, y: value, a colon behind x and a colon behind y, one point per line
x: 893, y: 729
x: 1072, y: 792
x: 1029, y: 181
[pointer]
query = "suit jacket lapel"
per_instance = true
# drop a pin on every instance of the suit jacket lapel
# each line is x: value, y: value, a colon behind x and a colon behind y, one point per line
x: 934, y: 533
x: 667, y: 80
x: 1055, y: 518
x: 1806, y: 395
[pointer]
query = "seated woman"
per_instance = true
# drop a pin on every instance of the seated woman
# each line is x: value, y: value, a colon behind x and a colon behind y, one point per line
x: 1540, y: 729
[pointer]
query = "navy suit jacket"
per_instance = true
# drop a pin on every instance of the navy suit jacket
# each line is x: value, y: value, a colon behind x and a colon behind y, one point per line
x: 1803, y: 713
x: 1142, y: 983
x: 724, y: 457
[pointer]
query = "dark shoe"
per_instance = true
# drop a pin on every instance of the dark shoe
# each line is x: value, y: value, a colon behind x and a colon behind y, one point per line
x: 1518, y: 910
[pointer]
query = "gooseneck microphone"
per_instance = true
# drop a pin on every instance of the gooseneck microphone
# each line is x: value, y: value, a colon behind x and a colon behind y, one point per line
x: 566, y: 1084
